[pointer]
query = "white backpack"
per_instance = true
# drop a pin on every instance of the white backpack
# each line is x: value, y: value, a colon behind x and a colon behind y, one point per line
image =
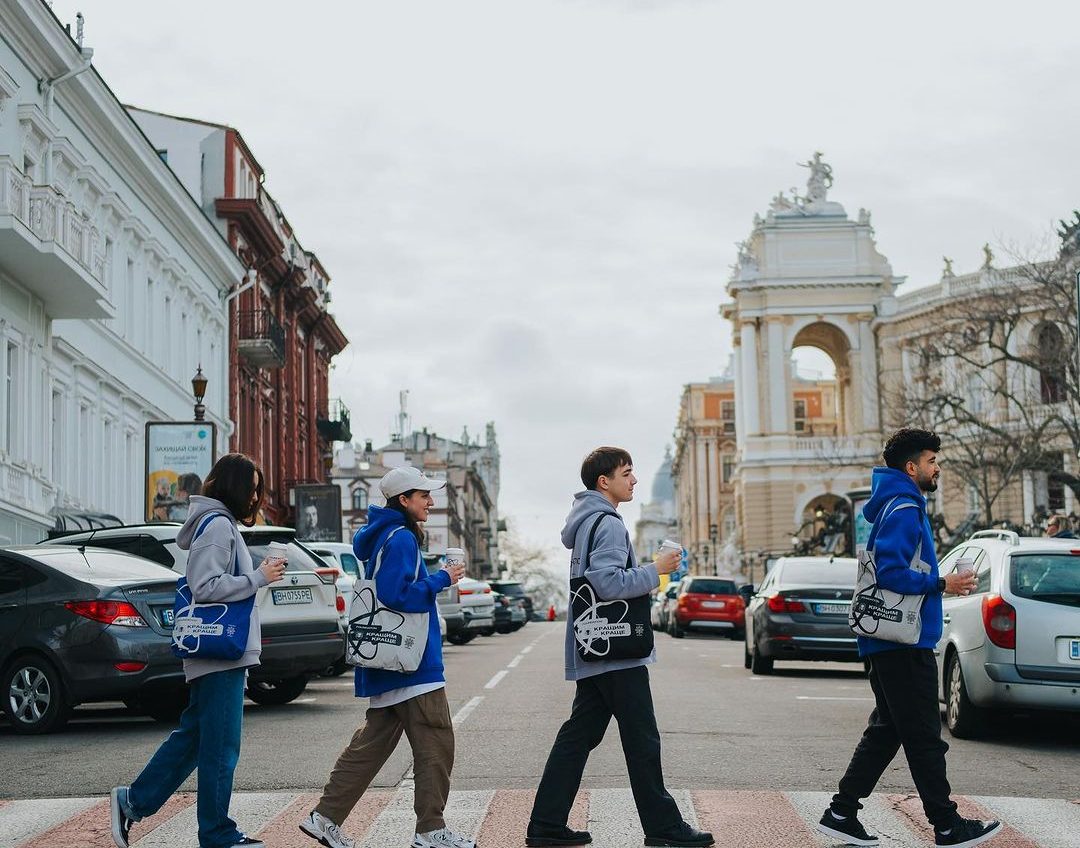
x: 879, y: 612
x: 380, y: 637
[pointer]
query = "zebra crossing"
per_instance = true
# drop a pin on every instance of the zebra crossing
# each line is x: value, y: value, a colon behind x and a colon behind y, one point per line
x: 497, y: 819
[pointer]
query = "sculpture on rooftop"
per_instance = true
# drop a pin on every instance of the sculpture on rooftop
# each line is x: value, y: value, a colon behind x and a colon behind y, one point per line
x: 988, y: 257
x: 948, y: 272
x: 820, y: 180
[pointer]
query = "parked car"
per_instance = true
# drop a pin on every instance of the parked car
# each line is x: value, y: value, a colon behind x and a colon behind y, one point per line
x: 1014, y: 642
x: 478, y: 607
x: 300, y: 616
x: 509, y: 614
x: 707, y: 603
x: 514, y: 589
x: 664, y: 602
x: 80, y: 625
x: 800, y: 612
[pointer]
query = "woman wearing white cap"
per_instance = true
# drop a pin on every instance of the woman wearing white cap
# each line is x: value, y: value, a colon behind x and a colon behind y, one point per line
x: 413, y: 703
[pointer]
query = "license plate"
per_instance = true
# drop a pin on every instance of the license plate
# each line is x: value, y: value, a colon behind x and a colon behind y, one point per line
x: 291, y: 596
x: 831, y: 609
x: 713, y: 604
x: 1074, y: 649
x: 166, y: 616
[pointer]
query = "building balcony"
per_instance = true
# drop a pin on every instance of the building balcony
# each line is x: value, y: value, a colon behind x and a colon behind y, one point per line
x: 50, y: 246
x: 334, y: 425
x: 260, y: 338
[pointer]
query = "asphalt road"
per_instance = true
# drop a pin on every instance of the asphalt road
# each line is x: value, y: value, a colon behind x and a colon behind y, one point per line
x: 721, y: 728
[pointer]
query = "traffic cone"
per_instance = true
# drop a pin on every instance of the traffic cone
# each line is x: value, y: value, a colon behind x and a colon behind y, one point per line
x: 551, y: 613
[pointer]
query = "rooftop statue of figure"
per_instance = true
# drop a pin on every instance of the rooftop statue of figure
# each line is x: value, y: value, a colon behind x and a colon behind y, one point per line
x: 820, y: 180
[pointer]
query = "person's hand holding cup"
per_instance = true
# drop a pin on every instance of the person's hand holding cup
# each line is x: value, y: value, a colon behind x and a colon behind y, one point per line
x: 962, y: 580
x: 455, y: 564
x: 669, y: 557
x: 273, y: 567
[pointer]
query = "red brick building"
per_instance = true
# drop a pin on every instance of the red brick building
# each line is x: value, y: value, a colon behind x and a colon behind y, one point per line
x: 282, y: 336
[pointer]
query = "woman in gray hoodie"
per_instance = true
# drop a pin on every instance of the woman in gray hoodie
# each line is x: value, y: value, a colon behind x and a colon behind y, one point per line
x: 219, y: 569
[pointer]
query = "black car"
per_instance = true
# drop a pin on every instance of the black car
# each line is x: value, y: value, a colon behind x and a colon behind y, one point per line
x: 800, y: 612
x: 513, y: 589
x: 80, y: 625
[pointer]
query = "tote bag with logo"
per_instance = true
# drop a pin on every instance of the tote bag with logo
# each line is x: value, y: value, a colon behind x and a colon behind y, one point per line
x: 380, y: 637
x: 878, y: 612
x: 608, y: 630
x: 211, y: 631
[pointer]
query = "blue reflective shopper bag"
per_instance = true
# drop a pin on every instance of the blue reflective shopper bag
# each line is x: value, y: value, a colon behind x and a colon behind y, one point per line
x: 213, y: 631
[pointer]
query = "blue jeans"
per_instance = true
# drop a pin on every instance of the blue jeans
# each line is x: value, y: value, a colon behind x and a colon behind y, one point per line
x: 208, y: 738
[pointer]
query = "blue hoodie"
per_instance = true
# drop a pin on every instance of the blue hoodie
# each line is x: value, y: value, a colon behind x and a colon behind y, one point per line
x: 903, y: 542
x: 398, y: 588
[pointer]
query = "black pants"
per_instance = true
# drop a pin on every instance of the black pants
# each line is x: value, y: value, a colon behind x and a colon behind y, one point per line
x: 626, y: 696
x: 906, y: 713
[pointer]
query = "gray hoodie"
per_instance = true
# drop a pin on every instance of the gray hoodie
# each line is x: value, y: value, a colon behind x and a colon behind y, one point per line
x: 212, y: 577
x: 607, y: 572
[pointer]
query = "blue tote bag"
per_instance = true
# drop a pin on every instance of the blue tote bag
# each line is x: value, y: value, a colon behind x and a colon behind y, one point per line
x: 213, y: 631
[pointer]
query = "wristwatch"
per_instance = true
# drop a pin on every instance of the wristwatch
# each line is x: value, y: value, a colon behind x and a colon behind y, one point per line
x: 941, y: 585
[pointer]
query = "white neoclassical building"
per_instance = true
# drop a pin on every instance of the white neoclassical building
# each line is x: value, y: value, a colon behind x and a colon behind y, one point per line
x: 112, y: 286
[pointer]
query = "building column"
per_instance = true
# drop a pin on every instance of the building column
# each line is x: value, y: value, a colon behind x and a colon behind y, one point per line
x: 779, y: 396
x: 740, y: 397
x: 752, y: 415
x: 868, y: 378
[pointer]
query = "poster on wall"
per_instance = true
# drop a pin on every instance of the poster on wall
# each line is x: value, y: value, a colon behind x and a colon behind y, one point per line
x: 179, y: 455
x: 318, y: 513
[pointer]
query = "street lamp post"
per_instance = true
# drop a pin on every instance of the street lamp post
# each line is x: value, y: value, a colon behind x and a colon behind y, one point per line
x: 198, y: 388
x: 714, y: 533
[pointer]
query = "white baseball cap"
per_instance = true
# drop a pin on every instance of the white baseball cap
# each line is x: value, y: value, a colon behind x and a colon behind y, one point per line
x: 398, y: 481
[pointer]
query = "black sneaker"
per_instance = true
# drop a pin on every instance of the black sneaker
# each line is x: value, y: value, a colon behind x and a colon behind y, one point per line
x: 540, y: 836
x: 967, y: 832
x: 684, y: 836
x: 246, y: 841
x: 848, y: 830
x: 121, y: 822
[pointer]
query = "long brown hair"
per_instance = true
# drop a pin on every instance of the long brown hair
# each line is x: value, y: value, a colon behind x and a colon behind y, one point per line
x: 411, y: 523
x: 230, y: 481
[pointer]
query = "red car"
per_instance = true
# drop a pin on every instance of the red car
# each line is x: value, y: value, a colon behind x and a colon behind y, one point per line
x: 708, y: 603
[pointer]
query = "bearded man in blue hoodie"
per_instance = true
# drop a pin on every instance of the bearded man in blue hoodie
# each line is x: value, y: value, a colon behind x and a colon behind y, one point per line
x: 609, y: 688
x: 904, y: 678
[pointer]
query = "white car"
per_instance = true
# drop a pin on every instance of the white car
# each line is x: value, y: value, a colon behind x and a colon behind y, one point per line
x: 1014, y: 642
x: 478, y: 607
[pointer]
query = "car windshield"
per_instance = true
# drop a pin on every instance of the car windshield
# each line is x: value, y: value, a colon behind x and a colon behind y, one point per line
x: 509, y: 588
x: 712, y: 587
x: 300, y: 558
x: 103, y: 564
x: 836, y: 573
x: 1054, y: 578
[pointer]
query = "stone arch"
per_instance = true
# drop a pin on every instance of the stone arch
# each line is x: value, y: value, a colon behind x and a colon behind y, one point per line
x: 1050, y: 355
x: 823, y: 522
x: 837, y: 344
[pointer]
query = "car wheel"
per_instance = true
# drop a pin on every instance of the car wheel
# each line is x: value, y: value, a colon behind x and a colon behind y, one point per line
x: 746, y: 654
x: 166, y: 708
x: 336, y: 670
x: 488, y: 632
x: 760, y: 664
x: 34, y: 696
x: 276, y: 692
x: 456, y: 638
x: 737, y: 635
x: 963, y: 718
x: 677, y: 630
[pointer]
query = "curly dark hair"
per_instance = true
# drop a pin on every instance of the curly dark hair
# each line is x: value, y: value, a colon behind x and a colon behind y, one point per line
x: 907, y: 444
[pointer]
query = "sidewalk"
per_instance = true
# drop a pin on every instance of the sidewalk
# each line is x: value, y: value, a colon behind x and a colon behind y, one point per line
x: 497, y: 818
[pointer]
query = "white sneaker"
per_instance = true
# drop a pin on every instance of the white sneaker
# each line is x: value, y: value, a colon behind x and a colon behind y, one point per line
x: 445, y: 838
x: 320, y: 828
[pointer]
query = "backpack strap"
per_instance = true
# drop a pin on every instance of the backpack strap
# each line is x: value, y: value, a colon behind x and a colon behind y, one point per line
x: 382, y: 547
x: 592, y: 537
x: 885, y: 513
x: 204, y: 524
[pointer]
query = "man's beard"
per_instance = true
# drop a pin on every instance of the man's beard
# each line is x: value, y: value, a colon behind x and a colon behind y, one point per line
x: 928, y: 485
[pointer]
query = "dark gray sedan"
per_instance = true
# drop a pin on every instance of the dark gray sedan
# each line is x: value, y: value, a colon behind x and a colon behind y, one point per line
x: 80, y: 625
x: 800, y: 612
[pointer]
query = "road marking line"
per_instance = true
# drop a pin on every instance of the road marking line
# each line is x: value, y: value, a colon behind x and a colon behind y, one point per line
x: 499, y: 675
x: 466, y: 708
x: 828, y: 698
x: 514, y: 662
x: 526, y: 649
x: 305, y: 701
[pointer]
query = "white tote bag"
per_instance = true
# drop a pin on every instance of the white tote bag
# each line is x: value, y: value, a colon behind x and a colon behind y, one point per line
x: 878, y: 612
x: 380, y: 637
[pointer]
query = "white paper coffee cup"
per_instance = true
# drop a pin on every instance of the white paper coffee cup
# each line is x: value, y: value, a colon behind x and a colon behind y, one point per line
x: 455, y: 556
x: 278, y: 550
x: 965, y: 565
x: 668, y: 545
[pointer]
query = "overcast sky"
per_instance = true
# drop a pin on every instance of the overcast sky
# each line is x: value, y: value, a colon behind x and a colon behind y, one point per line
x: 528, y: 209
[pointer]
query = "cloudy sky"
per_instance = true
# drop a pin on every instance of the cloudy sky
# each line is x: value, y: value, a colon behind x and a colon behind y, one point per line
x: 529, y: 208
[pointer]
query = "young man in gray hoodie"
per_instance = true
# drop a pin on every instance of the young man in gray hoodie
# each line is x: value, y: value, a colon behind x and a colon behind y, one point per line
x: 609, y: 688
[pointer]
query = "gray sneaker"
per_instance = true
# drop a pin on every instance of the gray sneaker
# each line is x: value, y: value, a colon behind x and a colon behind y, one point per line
x: 121, y: 821
x: 321, y: 829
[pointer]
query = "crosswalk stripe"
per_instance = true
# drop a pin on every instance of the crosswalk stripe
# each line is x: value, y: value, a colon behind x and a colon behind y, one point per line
x: 396, y: 824
x: 746, y: 818
x: 250, y: 810
x: 613, y: 819
x: 282, y: 831
x: 880, y: 816
x: 1010, y: 836
x: 1051, y: 823
x: 810, y: 806
x: 23, y: 819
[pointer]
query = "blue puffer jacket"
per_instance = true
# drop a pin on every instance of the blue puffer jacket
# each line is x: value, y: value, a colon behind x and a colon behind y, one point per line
x: 398, y: 588
x: 904, y: 542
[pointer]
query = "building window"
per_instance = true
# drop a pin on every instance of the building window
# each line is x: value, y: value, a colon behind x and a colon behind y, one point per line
x: 800, y: 415
x: 11, y: 398
x: 727, y: 468
x: 56, y: 429
x: 359, y: 499
x: 712, y: 406
x: 727, y: 415
x: 1055, y: 486
x: 1050, y: 347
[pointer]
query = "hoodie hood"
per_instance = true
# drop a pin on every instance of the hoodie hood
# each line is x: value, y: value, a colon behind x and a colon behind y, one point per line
x: 380, y: 521
x: 198, y: 508
x: 586, y: 505
x: 886, y: 484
